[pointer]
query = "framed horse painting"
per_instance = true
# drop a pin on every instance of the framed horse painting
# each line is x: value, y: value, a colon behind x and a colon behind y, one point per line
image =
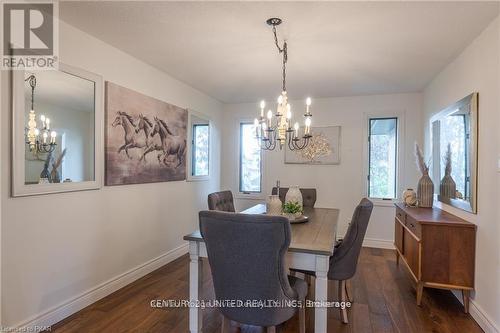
x: 145, y: 138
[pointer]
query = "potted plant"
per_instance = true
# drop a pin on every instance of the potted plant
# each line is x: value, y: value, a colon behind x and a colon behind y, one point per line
x: 292, y: 210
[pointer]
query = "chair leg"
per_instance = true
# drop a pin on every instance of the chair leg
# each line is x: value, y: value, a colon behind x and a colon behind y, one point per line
x: 226, y: 325
x: 348, y: 290
x: 271, y: 329
x: 342, y: 296
x: 302, y: 319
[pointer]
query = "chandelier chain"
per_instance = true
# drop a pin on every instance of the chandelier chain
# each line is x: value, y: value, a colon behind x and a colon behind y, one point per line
x: 283, y: 50
x: 32, y: 82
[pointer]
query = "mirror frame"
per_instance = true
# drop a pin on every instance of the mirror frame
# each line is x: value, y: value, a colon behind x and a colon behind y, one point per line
x: 19, y: 188
x: 189, y: 152
x: 471, y: 99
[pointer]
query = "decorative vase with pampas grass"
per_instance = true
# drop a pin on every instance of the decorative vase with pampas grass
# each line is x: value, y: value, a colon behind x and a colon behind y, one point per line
x: 425, y: 189
x: 448, y: 187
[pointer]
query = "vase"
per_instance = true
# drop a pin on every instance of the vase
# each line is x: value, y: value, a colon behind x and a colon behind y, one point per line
x: 448, y: 188
x: 409, y: 197
x: 273, y: 205
x: 425, y: 191
x: 294, y: 195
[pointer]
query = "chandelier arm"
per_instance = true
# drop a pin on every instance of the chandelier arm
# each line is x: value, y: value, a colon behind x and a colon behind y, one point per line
x: 32, y: 82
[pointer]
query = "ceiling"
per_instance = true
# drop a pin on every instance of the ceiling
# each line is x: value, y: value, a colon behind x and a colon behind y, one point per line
x: 226, y: 50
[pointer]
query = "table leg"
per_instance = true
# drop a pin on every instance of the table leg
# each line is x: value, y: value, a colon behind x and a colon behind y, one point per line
x: 195, y: 281
x: 321, y: 293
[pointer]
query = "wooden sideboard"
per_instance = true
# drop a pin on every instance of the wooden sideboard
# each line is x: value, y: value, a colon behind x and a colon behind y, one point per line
x: 437, y: 247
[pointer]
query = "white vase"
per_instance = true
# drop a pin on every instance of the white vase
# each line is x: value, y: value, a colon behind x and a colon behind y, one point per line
x: 294, y: 195
x: 273, y: 205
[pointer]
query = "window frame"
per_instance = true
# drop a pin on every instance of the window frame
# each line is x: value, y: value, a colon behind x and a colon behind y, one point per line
x: 190, y: 151
x: 193, y: 149
x: 400, y: 161
x: 251, y: 194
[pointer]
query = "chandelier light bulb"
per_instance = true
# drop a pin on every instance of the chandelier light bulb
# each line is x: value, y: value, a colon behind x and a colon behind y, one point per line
x: 280, y: 99
x: 288, y: 113
x: 269, y: 114
x: 308, y: 101
x: 37, y: 131
x: 42, y: 118
x: 262, y: 104
x: 53, y: 135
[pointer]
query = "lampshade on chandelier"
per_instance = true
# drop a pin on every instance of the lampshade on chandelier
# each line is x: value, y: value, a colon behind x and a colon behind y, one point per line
x: 275, y: 130
x: 39, y: 140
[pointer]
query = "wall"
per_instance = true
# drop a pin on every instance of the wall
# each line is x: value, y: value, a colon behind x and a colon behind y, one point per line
x: 61, y: 246
x: 476, y: 69
x: 339, y: 186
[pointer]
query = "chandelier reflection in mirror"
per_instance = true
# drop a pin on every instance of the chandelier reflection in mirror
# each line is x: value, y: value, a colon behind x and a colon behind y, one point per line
x: 39, y: 140
x: 275, y: 130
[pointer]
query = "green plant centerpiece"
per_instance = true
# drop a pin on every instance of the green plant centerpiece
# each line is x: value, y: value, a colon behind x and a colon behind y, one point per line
x: 292, y: 210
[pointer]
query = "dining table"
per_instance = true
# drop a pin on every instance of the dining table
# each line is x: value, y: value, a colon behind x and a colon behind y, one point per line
x: 312, y: 244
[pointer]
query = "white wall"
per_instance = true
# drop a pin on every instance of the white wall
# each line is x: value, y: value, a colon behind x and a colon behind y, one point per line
x: 477, y: 70
x: 56, y: 247
x: 339, y: 186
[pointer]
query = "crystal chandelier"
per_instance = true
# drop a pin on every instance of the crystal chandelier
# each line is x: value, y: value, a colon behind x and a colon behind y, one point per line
x: 38, y: 139
x: 275, y: 130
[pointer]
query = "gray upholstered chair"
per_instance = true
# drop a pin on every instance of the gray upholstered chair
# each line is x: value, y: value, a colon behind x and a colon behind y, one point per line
x: 344, y: 261
x: 308, y: 195
x: 247, y: 259
x: 222, y: 201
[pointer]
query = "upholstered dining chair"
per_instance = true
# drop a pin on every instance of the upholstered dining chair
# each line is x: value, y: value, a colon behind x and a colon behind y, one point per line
x: 222, y: 201
x: 308, y: 195
x: 344, y: 261
x: 247, y: 260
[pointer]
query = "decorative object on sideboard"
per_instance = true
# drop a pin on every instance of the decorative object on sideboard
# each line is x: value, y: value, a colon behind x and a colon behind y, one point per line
x: 425, y: 190
x: 274, y: 205
x: 45, y: 174
x: 324, y: 148
x: 39, y: 140
x: 294, y: 195
x: 145, y: 138
x: 448, y: 187
x: 292, y: 210
x: 55, y: 174
x: 410, y: 197
x: 280, y: 132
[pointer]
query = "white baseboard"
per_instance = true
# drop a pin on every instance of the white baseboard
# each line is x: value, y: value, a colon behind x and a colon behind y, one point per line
x: 482, y: 319
x: 379, y: 243
x: 58, y: 313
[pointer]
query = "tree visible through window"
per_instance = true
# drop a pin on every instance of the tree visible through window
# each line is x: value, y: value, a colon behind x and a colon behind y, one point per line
x: 250, y: 160
x: 382, y: 143
x: 200, y: 157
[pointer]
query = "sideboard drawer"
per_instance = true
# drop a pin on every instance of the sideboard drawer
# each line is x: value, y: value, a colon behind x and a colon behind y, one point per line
x: 400, y: 215
x: 413, y: 226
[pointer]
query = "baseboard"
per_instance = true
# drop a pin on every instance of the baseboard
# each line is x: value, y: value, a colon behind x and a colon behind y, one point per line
x: 58, y: 313
x: 476, y: 312
x: 379, y: 243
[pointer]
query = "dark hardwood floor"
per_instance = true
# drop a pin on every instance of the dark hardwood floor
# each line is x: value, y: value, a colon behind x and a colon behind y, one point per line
x: 384, y: 301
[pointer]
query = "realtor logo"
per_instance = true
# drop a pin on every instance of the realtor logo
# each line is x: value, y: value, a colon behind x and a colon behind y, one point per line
x: 29, y: 35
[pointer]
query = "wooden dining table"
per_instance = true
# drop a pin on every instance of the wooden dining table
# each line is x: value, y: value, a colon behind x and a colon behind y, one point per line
x: 310, y: 249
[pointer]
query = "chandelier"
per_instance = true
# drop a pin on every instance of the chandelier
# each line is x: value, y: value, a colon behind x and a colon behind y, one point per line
x: 38, y: 138
x: 275, y: 130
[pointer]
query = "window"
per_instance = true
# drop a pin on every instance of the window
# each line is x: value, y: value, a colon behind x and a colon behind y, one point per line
x: 250, y: 160
x: 382, y: 157
x: 200, y: 151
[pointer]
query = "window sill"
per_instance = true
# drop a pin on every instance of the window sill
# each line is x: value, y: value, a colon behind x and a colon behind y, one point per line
x: 382, y: 202
x: 197, y: 178
x: 250, y: 196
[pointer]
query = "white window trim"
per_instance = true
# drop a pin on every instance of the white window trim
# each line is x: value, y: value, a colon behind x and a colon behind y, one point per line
x: 400, y: 168
x: 253, y: 195
x: 189, y: 153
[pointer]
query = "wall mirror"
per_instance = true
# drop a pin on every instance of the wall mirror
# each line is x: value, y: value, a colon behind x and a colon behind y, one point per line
x: 57, y: 131
x: 199, y: 150
x: 454, y: 154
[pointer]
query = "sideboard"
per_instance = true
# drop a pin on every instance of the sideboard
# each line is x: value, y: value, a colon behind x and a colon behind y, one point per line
x: 438, y: 249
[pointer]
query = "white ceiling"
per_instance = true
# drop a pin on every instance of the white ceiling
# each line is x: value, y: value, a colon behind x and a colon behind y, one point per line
x: 335, y: 48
